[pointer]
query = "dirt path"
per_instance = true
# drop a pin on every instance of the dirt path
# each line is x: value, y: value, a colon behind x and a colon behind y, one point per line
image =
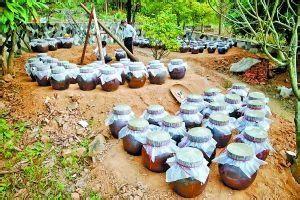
x: 118, y: 175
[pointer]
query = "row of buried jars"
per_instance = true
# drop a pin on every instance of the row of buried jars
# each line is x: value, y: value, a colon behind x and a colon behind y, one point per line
x: 184, y: 145
x: 50, y: 44
x: 46, y: 71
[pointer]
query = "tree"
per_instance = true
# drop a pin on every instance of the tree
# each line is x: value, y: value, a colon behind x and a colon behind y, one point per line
x: 279, y: 20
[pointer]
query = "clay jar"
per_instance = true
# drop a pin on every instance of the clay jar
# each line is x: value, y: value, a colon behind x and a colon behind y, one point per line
x: 234, y: 103
x: 72, y: 71
x: 59, y: 79
x: 137, y: 76
x: 42, y: 46
x: 118, y: 119
x: 257, y: 96
x: 239, y: 88
x: 158, y: 148
x: 257, y: 139
x: 134, y: 136
x: 86, y: 79
x: 195, y: 100
x: 238, y: 166
x: 195, y: 49
x: 213, y: 94
x: 200, y: 138
x: 184, y: 173
x: 121, y: 69
x: 174, y: 126
x: 52, y: 44
x: 31, y: 68
x: 215, y: 107
x: 155, y: 114
x: 177, y: 69
x: 157, y: 73
x: 222, y: 49
x: 253, y: 118
x: 211, y: 48
x: 190, y: 116
x: 184, y: 48
x: 43, y: 75
x: 257, y: 105
x: 67, y: 42
x: 221, y: 127
x: 110, y: 79
x: 59, y: 42
x: 119, y: 54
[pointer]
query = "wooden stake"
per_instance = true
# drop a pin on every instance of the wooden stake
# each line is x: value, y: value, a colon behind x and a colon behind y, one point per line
x: 86, y: 38
x: 98, y: 36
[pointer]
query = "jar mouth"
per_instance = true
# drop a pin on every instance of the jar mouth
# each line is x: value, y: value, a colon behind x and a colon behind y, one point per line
x: 138, y: 124
x: 122, y: 110
x: 189, y: 157
x: 240, y: 152
x: 255, y: 134
x: 158, y: 139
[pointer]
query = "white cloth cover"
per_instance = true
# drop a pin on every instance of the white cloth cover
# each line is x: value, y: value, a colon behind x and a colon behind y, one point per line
x: 88, y: 76
x: 154, y: 72
x: 207, y: 147
x: 113, y: 117
x: 175, y: 131
x: 266, y: 100
x: 233, y: 107
x: 157, y: 117
x: 109, y: 77
x: 200, y: 105
x: 139, y: 73
x: 242, y: 123
x: 207, y: 111
x: 241, y: 92
x: 218, y: 97
x: 266, y: 109
x: 41, y: 74
x: 224, y: 130
x: 60, y: 77
x: 157, y: 151
x: 137, y: 135
x: 197, y: 117
x: 73, y: 72
x: 172, y: 67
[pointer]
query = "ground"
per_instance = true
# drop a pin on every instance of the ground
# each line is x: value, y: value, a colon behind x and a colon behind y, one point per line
x: 115, y: 174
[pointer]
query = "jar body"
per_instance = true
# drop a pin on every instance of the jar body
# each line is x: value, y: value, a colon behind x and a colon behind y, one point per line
x: 159, y: 165
x: 72, y: 80
x: 44, y: 81
x: 221, y: 139
x: 211, y: 49
x: 119, y: 56
x: 67, y: 45
x: 201, y: 49
x: 184, y: 49
x: 194, y: 51
x: 116, y: 126
x: 110, y: 86
x: 261, y: 155
x: 52, y: 47
x: 234, y: 178
x: 42, y: 48
x: 188, y: 187
x: 132, y: 146
x: 159, y: 79
x: 134, y: 82
x: 178, y: 73
x: 86, y: 85
x: 221, y: 50
x: 60, y: 85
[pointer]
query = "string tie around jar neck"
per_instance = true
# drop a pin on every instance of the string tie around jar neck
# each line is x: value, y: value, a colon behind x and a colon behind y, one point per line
x: 194, y: 98
x: 255, y: 105
x: 217, y: 106
x: 232, y: 99
x: 188, y: 109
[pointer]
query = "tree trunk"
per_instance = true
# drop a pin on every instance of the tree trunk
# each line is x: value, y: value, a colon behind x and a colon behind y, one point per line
x: 129, y: 9
x: 220, y: 16
x: 3, y: 61
x: 295, y: 169
x: 11, y: 56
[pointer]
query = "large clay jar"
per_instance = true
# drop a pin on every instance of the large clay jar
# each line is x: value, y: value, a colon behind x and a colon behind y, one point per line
x: 195, y: 100
x: 234, y: 104
x: 42, y: 75
x: 154, y: 114
x: 122, y: 70
x: 134, y: 136
x: 158, y: 148
x: 240, y: 89
x: 177, y: 69
x: 257, y: 96
x: 118, y: 119
x: 86, y: 79
x: 221, y: 125
x: 119, y: 54
x: 42, y: 46
x: 137, y: 75
x: 211, y: 48
x: 72, y: 71
x: 213, y: 94
x: 188, y: 172
x: 52, y: 44
x: 157, y: 73
x: 110, y: 79
x: 257, y: 138
x: 238, y: 166
x: 256, y: 105
x: 253, y: 118
x: 174, y: 126
x: 190, y: 115
x: 59, y: 79
x: 67, y: 42
x: 215, y: 107
x: 202, y: 139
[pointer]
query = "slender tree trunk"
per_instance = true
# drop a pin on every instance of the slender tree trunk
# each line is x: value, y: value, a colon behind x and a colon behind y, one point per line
x: 221, y: 3
x: 11, y: 56
x: 129, y: 10
x: 3, y: 61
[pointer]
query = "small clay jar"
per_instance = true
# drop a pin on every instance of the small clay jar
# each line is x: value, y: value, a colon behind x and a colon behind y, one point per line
x: 177, y: 69
x: 257, y: 138
x: 158, y: 148
x: 157, y: 73
x: 59, y: 79
x: 121, y: 69
x: 42, y: 75
x: 42, y: 47
x: 119, y: 118
x: 137, y: 76
x: 155, y: 114
x: 110, y: 79
x: 195, y: 49
x: 234, y: 103
x: 52, y: 44
x: 183, y: 174
x: 195, y: 100
x: 202, y: 139
x: 212, y: 94
x: 222, y: 49
x: 67, y: 42
x: 211, y: 48
x: 134, y: 136
x: 190, y: 116
x: 174, y: 126
x: 86, y: 79
x: 233, y: 174
x: 119, y: 54
x: 239, y: 88
x: 72, y: 71
x: 215, y: 107
x: 201, y: 48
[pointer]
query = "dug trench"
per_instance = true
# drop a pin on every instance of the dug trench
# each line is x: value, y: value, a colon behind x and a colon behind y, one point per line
x: 117, y: 175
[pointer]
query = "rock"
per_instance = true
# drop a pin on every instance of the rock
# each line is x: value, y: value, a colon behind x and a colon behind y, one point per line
x: 8, y: 78
x: 80, y: 151
x: 66, y: 152
x: 83, y: 123
x: 97, y: 146
x: 243, y: 65
x: 75, y: 196
x: 284, y: 91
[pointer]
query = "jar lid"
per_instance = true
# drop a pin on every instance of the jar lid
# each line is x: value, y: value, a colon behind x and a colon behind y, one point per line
x: 256, y: 104
x: 239, y: 86
x: 189, y: 157
x: 31, y: 60
x: 155, y: 109
x: 188, y: 109
x: 136, y: 67
x: 233, y: 98
x: 39, y: 55
x: 217, y: 105
x: 43, y: 67
x: 86, y: 70
x: 124, y: 60
x: 154, y: 62
x: 254, y: 115
x: 53, y: 65
x: 255, y: 134
x: 71, y: 66
x: 219, y: 119
x: 240, y: 151
x: 199, y: 134
x: 36, y: 63
x: 158, y: 138
x: 117, y: 65
x: 138, y: 124
x: 194, y: 98
x: 176, y: 61
x: 212, y: 91
x: 108, y: 70
x: 122, y: 109
x: 256, y: 96
x: 156, y: 65
x: 58, y: 70
x: 52, y: 60
x: 172, y: 121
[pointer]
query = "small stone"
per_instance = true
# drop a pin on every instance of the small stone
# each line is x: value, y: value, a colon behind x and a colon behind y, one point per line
x: 66, y: 152
x: 83, y: 123
x: 8, y: 78
x: 75, y: 196
x: 97, y: 145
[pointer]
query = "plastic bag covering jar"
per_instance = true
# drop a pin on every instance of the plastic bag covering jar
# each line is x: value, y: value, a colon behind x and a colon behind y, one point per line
x: 63, y: 63
x: 43, y: 74
x: 155, y: 114
x: 195, y: 100
x: 118, y: 119
x: 59, y: 79
x: 221, y: 125
x: 72, y: 71
x: 110, y: 79
x: 136, y: 76
x: 86, y: 78
x: 174, y: 126
x: 215, y: 107
x: 240, y: 89
x: 134, y: 135
x: 120, y: 53
x: 157, y: 73
x: 234, y: 104
x: 41, y: 55
x: 190, y: 116
x: 202, y: 139
x: 122, y: 70
x: 257, y: 96
x: 44, y: 59
x: 177, y: 69
x: 188, y: 172
x: 31, y: 68
x: 238, y: 166
x: 153, y: 62
x: 50, y: 60
x: 253, y: 118
x: 126, y: 62
x: 52, y: 44
x: 257, y: 138
x: 67, y: 42
x: 158, y: 148
x: 213, y: 94
x: 256, y: 105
